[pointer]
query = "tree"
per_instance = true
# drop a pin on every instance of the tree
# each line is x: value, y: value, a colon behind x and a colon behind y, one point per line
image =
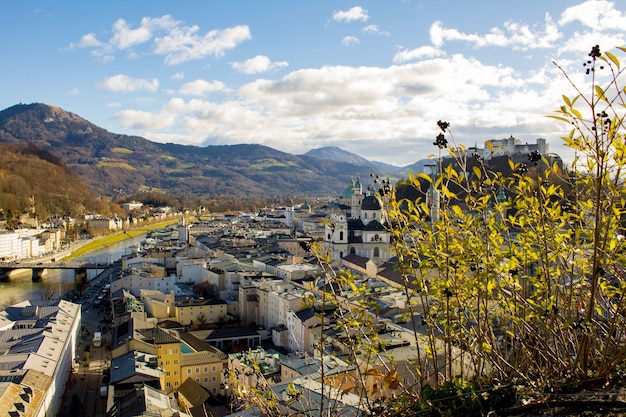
x: 517, y: 279
x: 205, y: 289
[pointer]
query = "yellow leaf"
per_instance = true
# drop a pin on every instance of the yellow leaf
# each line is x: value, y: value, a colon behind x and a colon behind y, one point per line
x: 562, y: 119
x: 392, y: 380
x: 424, y: 176
x: 613, y: 58
x: 374, y: 372
x: 567, y: 101
x: 600, y: 93
x: 486, y: 347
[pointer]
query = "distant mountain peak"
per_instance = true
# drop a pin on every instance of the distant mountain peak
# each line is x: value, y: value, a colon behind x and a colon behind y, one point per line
x: 334, y: 153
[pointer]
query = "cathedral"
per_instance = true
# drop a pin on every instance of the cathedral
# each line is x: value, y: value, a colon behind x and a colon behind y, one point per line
x: 358, y: 226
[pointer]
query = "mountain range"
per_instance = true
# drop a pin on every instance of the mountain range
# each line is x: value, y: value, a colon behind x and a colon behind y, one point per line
x: 115, y: 164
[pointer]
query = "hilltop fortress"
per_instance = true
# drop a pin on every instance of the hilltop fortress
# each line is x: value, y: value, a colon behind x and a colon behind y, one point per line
x: 508, y: 147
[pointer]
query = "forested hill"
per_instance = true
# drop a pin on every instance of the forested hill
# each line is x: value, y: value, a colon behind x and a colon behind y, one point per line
x: 35, y: 182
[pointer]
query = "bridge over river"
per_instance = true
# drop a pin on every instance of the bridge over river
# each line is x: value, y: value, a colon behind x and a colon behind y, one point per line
x: 38, y: 267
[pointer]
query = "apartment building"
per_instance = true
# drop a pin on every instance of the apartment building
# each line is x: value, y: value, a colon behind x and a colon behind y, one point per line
x: 198, y: 311
x: 168, y: 351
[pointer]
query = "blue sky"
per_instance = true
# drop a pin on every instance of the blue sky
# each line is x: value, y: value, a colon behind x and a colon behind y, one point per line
x: 371, y: 77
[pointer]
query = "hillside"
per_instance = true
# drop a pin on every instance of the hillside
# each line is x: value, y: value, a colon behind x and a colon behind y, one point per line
x: 34, y: 181
x: 114, y: 164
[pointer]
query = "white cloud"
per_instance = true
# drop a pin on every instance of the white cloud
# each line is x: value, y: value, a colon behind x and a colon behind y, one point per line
x: 350, y: 41
x: 603, y: 23
x: 258, y: 64
x: 143, y: 120
x: 178, y: 76
x: 124, y: 37
x: 375, y: 30
x: 185, y: 44
x: 87, y: 41
x: 595, y: 14
x: 356, y: 13
x: 168, y: 37
x: 201, y: 87
x: 515, y: 35
x: 124, y: 83
x: 427, y: 51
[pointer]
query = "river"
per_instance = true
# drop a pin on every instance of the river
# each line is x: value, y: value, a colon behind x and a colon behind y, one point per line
x: 58, y: 281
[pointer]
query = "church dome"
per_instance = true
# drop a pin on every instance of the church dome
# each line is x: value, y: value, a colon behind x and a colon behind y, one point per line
x: 371, y: 203
x: 347, y: 193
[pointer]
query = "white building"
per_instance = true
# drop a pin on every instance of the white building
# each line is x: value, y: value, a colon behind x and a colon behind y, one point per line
x: 40, y: 338
x: 10, y: 246
x: 300, y: 327
x: 135, y: 283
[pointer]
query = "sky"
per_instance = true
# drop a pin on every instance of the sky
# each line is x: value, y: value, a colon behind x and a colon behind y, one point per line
x: 371, y: 77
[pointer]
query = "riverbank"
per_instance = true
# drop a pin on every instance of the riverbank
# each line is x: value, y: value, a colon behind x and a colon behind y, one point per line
x: 105, y: 241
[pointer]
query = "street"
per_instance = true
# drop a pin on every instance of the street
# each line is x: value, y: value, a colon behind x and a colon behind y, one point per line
x: 84, y: 384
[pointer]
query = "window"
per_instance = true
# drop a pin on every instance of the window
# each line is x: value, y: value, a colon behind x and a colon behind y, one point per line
x: 214, y: 379
x: 206, y: 379
x: 213, y: 368
x: 206, y: 369
x: 340, y: 235
x: 168, y: 384
x: 188, y: 371
x: 175, y: 361
x: 197, y: 370
x: 376, y: 252
x: 167, y: 363
x: 214, y: 390
x: 175, y: 373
